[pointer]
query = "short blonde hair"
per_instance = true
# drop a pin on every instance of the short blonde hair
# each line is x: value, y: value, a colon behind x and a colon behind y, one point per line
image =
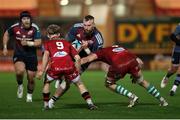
x: 53, y: 29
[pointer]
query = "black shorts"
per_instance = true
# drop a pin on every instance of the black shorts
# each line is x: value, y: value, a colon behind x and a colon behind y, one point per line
x: 175, y: 58
x: 30, y: 62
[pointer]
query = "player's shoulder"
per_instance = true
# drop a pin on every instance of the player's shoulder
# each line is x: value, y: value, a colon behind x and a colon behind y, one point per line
x: 78, y: 25
x: 35, y: 26
x: 15, y: 25
x: 97, y: 32
x: 98, y: 35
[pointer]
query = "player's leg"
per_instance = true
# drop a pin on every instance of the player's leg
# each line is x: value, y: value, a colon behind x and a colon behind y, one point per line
x: 58, y: 93
x: 138, y: 78
x: 84, y: 92
x: 31, y: 68
x: 119, y: 89
x: 46, y: 93
x: 31, y: 85
x: 176, y: 84
x: 174, y: 67
x: 48, y: 78
x: 19, y: 70
x: 57, y: 83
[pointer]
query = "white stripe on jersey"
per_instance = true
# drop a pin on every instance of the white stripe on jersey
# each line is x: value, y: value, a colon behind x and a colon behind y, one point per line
x: 16, y: 24
x: 99, y: 38
x: 34, y: 25
x: 78, y: 25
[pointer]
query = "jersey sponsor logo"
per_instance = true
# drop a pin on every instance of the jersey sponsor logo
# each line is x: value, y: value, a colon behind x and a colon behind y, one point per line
x: 27, y: 39
x: 30, y: 32
x: 60, y: 54
x: 78, y: 35
x: 18, y: 33
x: 119, y: 49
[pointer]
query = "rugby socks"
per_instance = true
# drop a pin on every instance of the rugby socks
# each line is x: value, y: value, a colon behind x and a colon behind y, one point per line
x: 176, y: 83
x: 46, y: 98
x: 19, y: 79
x: 30, y: 86
x: 54, y: 98
x: 153, y: 91
x: 52, y: 101
x: 169, y: 74
x: 87, y: 97
x: 123, y: 91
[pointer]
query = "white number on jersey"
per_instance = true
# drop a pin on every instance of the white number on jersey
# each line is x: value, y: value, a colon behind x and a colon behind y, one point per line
x: 60, y: 45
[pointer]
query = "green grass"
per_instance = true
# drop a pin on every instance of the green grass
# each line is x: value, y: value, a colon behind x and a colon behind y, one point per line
x: 72, y: 106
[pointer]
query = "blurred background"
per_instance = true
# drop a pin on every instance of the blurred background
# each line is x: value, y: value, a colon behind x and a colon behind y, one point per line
x: 142, y: 26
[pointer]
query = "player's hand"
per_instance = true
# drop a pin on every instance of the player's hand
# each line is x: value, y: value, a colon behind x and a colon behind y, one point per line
x: 23, y: 42
x: 39, y: 75
x: 84, y: 44
x: 5, y: 51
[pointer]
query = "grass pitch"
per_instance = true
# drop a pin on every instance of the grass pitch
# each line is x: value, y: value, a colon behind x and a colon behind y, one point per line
x: 72, y: 106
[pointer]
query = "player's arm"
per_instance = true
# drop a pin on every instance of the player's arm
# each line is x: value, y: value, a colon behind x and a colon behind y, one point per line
x: 175, y: 38
x: 77, y: 62
x: 35, y: 43
x: 37, y: 39
x: 45, y: 60
x: 71, y: 35
x: 85, y: 47
x: 89, y: 58
x: 98, y: 42
x: 5, y: 42
x: 140, y: 62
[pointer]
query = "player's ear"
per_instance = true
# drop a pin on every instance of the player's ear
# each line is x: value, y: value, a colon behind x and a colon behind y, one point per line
x: 58, y: 34
x: 48, y: 36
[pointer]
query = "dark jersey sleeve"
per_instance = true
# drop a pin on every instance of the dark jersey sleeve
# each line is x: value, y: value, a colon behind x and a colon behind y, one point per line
x: 177, y: 31
x: 98, y: 44
x: 10, y: 29
x: 175, y: 36
x: 37, y: 34
x: 71, y: 35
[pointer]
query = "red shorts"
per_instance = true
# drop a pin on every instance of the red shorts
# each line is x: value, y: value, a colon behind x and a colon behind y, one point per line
x: 69, y: 74
x: 130, y: 67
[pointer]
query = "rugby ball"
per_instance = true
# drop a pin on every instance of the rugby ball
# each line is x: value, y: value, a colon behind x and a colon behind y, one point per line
x: 76, y: 44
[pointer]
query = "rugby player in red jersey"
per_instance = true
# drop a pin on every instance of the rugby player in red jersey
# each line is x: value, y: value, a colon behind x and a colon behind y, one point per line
x: 123, y: 62
x: 61, y: 53
x: 27, y: 38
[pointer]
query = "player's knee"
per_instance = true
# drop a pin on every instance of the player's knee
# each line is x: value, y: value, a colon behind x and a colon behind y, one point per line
x: 20, y: 71
x: 46, y: 87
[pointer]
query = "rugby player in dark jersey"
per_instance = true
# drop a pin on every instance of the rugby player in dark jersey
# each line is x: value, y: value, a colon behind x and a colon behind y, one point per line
x: 175, y: 37
x: 27, y: 38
